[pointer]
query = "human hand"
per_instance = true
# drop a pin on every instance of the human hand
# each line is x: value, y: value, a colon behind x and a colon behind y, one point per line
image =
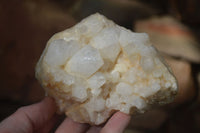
x: 41, y: 118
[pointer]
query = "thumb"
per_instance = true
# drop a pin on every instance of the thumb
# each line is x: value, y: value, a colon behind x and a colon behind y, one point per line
x: 29, y: 118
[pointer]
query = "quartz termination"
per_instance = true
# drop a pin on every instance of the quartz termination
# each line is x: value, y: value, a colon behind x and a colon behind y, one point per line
x: 97, y: 67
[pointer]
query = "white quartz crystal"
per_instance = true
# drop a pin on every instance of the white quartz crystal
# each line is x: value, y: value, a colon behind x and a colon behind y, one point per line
x: 97, y: 68
x: 85, y: 62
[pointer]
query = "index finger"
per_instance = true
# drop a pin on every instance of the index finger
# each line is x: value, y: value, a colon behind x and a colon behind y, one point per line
x: 117, y: 123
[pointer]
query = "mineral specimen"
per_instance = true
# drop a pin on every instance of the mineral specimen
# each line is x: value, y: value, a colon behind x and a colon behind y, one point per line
x: 96, y: 68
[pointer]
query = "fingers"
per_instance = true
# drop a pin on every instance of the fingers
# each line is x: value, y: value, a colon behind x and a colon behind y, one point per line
x: 94, y: 129
x: 69, y: 126
x: 50, y: 125
x: 29, y: 118
x: 40, y: 116
x: 117, y: 123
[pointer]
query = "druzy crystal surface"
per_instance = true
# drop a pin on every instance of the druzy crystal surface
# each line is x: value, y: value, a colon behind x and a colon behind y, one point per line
x: 96, y: 68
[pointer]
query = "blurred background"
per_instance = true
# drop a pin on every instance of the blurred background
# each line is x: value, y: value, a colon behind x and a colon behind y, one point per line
x: 173, y: 27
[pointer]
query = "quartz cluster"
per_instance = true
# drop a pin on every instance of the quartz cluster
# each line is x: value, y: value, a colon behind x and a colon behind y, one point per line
x: 97, y: 68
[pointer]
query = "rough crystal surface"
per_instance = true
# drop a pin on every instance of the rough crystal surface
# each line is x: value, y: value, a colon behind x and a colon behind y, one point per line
x: 97, y: 67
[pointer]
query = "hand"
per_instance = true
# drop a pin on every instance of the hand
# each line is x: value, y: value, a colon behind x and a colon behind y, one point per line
x: 41, y: 117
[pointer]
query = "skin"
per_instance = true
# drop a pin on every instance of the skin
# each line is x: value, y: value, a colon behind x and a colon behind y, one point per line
x: 41, y: 118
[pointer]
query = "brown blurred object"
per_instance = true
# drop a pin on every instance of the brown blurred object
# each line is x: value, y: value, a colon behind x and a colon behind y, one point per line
x: 171, y: 37
x: 186, y: 10
x: 178, y: 46
x: 25, y: 28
